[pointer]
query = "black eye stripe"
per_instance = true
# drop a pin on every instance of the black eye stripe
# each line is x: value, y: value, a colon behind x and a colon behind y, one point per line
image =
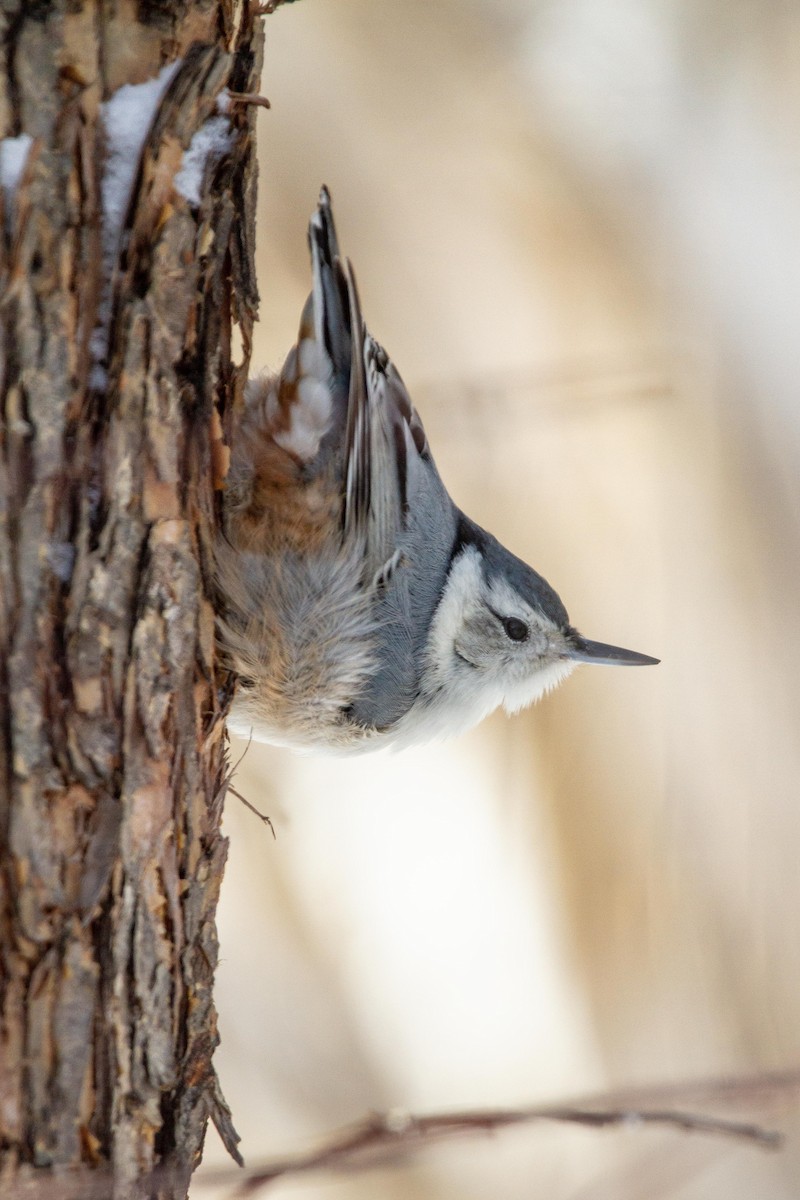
x: 515, y: 629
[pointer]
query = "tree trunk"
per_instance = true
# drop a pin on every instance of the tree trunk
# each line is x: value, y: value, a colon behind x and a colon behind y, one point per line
x: 120, y: 297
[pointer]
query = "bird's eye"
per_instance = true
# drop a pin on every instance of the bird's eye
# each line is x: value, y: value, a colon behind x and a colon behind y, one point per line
x: 515, y: 629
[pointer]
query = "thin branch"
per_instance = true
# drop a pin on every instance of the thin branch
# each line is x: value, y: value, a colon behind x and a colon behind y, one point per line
x: 261, y: 816
x: 252, y: 98
x: 381, y: 1136
x: 247, y: 803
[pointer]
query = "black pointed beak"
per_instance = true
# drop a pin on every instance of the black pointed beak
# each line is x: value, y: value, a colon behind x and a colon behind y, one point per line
x: 583, y: 650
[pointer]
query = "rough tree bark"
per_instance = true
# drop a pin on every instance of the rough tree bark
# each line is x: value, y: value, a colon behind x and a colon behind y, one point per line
x: 112, y: 755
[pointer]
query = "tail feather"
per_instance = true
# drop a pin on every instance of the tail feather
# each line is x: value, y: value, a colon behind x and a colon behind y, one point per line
x: 339, y: 327
x: 329, y: 289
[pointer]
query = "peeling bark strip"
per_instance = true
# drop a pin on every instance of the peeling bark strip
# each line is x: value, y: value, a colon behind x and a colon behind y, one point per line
x: 112, y: 758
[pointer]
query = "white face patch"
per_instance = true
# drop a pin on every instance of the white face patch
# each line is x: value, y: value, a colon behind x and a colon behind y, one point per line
x: 464, y: 585
x: 473, y: 667
x: 527, y: 691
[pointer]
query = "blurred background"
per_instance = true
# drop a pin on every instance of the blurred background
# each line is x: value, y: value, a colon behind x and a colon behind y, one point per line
x: 575, y: 228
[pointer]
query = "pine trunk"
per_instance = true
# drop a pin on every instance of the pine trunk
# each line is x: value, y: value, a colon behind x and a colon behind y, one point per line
x: 120, y: 304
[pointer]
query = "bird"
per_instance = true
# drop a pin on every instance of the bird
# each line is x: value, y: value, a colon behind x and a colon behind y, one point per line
x: 359, y: 607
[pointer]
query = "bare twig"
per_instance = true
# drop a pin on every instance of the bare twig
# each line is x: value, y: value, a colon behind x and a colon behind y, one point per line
x: 380, y: 1136
x: 383, y: 1134
x: 232, y: 771
x: 252, y: 98
x: 262, y: 816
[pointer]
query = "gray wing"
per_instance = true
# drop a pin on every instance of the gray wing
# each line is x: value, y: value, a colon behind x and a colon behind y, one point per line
x: 384, y: 435
x: 398, y: 504
x: 396, y: 508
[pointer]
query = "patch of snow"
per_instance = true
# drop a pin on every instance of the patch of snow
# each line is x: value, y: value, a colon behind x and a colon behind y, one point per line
x: 61, y: 556
x: 13, y: 156
x: 212, y: 141
x: 127, y: 117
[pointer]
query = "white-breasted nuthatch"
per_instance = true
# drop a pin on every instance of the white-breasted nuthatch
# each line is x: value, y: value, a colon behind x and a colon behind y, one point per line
x: 360, y: 606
